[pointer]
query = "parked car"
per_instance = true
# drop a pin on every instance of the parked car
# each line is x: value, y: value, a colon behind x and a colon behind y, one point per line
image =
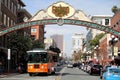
x: 112, y: 74
x: 103, y: 70
x: 75, y: 65
x: 69, y: 65
x: 95, y: 69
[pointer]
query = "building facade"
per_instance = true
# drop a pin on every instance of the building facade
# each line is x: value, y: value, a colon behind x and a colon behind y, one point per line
x: 23, y: 16
x: 103, y: 20
x: 58, y: 40
x: 77, y: 42
x: 99, y: 19
x: 115, y: 24
x: 104, y: 51
x: 37, y: 33
x: 9, y: 16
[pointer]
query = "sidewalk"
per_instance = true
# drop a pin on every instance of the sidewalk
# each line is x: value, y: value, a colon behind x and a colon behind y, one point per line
x: 7, y: 74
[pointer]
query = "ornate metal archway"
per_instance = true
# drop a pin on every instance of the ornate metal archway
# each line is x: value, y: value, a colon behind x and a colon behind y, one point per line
x: 60, y: 13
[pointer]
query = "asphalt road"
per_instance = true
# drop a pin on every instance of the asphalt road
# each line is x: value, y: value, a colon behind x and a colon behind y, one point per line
x: 63, y: 73
x: 26, y: 76
x: 77, y: 74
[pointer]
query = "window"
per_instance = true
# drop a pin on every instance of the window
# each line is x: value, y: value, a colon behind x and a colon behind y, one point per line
x: 11, y: 22
x: 33, y: 30
x: 106, y: 21
x: 5, y: 2
x: 4, y: 19
x: 117, y: 23
x: 8, y: 21
x: 114, y: 25
x: 9, y: 4
x: 15, y: 9
x: 12, y: 7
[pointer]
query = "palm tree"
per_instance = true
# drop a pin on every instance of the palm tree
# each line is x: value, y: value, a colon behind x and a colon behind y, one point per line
x: 115, y: 9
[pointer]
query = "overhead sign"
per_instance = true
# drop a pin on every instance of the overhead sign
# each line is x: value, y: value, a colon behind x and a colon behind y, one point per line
x: 64, y: 21
x: 60, y: 10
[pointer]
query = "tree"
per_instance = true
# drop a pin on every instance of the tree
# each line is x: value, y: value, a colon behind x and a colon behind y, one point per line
x: 19, y: 44
x: 95, y: 41
x: 115, y: 9
x: 37, y: 44
x: 55, y: 49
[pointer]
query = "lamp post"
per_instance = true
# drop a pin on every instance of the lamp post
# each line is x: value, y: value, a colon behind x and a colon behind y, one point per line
x: 112, y: 41
x: 96, y: 48
x: 88, y: 56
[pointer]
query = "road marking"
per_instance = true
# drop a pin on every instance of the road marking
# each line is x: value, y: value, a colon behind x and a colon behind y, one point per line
x: 61, y: 72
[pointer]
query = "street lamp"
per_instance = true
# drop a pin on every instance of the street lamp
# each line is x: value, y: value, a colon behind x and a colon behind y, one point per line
x: 112, y: 41
x: 88, y: 55
x: 96, y: 48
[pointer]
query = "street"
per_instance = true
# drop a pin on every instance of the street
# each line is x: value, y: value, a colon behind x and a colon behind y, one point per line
x: 77, y: 74
x: 64, y: 74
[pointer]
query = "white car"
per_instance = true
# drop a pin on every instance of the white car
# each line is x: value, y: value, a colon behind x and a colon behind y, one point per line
x: 70, y: 65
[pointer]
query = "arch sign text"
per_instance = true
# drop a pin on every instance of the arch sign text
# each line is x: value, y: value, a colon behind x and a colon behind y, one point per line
x: 60, y: 13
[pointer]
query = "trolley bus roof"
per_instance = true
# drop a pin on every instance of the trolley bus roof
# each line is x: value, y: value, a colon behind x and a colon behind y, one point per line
x: 49, y: 51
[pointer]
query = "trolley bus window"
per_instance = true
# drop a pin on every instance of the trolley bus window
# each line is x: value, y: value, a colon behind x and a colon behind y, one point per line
x: 37, y: 57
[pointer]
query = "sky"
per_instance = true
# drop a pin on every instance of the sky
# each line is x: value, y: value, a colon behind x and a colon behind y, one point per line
x: 89, y: 7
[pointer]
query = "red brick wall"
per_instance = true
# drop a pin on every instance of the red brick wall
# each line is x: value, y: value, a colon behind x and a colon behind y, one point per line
x: 103, y: 51
x: 115, y: 23
x: 39, y: 34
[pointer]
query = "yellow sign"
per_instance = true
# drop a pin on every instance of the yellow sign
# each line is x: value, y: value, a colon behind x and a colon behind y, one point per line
x: 60, y: 10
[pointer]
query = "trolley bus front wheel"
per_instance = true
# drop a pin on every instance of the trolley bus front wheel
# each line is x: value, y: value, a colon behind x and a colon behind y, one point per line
x: 30, y: 74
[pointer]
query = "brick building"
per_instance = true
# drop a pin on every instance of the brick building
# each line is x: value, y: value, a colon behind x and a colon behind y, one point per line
x: 104, y: 55
x: 115, y: 24
x: 37, y: 33
x: 11, y: 12
x: 105, y: 46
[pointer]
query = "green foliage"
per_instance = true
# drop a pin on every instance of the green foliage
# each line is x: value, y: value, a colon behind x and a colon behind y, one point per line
x: 115, y: 9
x: 37, y: 44
x: 55, y: 49
x: 19, y: 43
x: 95, y: 41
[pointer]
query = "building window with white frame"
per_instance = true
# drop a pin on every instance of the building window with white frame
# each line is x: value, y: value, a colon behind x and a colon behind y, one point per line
x: 106, y: 22
x: 12, y: 7
x: 8, y: 4
x: 11, y: 22
x: 8, y: 21
x: 4, y: 19
x: 33, y: 30
x: 15, y: 9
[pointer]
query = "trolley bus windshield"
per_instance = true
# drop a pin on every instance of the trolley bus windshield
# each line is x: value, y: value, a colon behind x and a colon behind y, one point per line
x: 37, y: 57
